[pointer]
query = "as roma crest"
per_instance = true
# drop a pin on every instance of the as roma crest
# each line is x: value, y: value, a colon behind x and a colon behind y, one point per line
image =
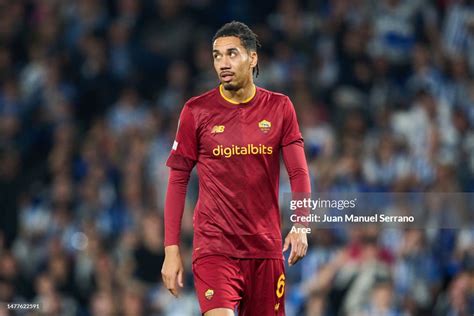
x: 264, y: 126
x: 209, y: 294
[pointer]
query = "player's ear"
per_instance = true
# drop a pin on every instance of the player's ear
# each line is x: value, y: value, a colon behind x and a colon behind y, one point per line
x: 253, y: 59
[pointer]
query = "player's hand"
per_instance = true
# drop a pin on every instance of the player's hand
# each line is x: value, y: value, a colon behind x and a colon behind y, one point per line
x: 172, y: 270
x: 299, y: 246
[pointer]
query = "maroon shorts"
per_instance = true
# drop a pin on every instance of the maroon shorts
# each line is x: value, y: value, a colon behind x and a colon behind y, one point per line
x: 251, y: 286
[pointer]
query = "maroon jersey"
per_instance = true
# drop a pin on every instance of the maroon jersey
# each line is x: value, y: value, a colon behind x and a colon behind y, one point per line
x: 237, y: 151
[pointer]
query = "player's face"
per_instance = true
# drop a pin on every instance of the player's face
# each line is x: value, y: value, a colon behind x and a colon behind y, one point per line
x: 233, y: 63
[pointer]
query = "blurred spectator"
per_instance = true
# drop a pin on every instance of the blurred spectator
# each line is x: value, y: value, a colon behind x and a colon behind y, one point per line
x: 52, y: 302
x: 149, y: 253
x: 121, y: 55
x: 458, y: 26
x: 382, y: 301
x: 416, y: 273
x: 459, y: 299
x: 133, y: 301
x: 177, y: 86
x: 104, y: 303
x: 394, y: 28
x: 128, y: 113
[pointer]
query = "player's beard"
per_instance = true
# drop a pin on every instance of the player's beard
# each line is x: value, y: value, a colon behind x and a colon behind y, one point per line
x: 230, y: 86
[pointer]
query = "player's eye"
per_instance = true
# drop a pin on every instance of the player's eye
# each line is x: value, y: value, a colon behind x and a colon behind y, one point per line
x: 233, y: 54
x: 216, y: 56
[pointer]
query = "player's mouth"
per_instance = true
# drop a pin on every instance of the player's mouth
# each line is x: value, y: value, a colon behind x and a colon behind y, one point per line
x: 227, y: 76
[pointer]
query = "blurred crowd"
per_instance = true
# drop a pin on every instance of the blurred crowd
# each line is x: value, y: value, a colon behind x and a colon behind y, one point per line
x: 90, y: 92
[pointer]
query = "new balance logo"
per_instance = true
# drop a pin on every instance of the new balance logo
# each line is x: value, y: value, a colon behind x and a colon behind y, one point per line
x: 217, y: 129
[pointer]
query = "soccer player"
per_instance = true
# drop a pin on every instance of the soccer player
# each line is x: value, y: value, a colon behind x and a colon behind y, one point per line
x: 235, y: 134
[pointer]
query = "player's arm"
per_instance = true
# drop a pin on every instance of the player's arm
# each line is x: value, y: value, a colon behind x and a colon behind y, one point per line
x: 181, y: 161
x: 295, y: 163
x: 172, y: 270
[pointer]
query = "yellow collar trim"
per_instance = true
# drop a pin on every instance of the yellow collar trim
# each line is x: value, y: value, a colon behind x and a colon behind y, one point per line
x: 235, y: 102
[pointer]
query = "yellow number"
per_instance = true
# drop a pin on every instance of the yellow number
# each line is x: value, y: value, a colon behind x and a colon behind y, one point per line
x: 280, y: 286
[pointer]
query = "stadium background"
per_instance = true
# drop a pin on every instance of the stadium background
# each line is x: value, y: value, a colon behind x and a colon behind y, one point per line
x: 90, y: 92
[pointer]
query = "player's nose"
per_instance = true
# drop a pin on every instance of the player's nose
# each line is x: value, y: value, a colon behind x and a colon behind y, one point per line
x: 224, y: 63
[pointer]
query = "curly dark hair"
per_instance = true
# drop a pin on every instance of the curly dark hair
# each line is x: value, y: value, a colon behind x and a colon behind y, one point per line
x: 247, y: 37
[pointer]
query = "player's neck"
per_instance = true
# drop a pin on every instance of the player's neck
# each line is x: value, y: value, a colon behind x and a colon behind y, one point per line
x: 243, y: 95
